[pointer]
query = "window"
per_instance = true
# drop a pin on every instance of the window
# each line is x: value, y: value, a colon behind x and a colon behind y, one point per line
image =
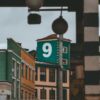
x: 43, y: 94
x: 22, y: 94
x: 36, y: 73
x: 42, y: 74
x: 36, y: 93
x: 52, y: 75
x: 65, y: 61
x: 18, y: 90
x: 64, y: 76
x: 33, y: 75
x: 26, y: 96
x: 26, y: 74
x: 65, y: 49
x: 22, y: 70
x: 52, y: 94
x: 29, y: 98
x: 32, y: 97
x: 8, y: 97
x: 18, y: 71
x: 29, y: 74
x: 14, y: 68
x: 14, y: 89
x: 64, y: 94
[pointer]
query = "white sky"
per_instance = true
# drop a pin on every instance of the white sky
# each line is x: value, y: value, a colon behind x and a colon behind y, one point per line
x: 13, y: 24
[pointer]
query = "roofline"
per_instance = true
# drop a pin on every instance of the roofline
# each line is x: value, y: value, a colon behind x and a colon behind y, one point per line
x: 52, y: 37
x: 67, y: 40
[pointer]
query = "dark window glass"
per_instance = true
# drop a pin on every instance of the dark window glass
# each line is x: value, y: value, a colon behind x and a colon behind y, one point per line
x: 64, y: 76
x: 14, y: 68
x: 43, y: 94
x: 22, y: 70
x: 32, y: 97
x: 52, y: 75
x: 64, y: 94
x: 42, y: 74
x: 29, y: 74
x: 36, y: 93
x: 52, y: 94
x: 8, y: 97
x: 18, y: 71
x: 26, y: 72
x: 33, y: 75
x: 65, y: 61
x: 29, y: 98
x: 21, y: 94
x: 17, y: 90
x: 26, y: 96
x: 65, y: 49
x: 13, y: 88
x: 36, y: 73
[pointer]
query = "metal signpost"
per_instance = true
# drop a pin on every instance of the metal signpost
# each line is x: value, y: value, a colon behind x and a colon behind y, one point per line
x: 60, y: 72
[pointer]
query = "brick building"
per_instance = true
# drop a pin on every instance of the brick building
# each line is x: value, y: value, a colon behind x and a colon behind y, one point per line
x: 28, y: 76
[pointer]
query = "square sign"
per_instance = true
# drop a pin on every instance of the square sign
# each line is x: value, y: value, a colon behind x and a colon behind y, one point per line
x: 47, y: 51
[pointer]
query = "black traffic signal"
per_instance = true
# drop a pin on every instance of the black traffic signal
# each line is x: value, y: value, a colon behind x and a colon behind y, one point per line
x: 34, y: 18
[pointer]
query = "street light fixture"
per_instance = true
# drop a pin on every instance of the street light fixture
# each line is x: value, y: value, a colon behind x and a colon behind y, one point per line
x: 34, y: 4
x: 60, y: 26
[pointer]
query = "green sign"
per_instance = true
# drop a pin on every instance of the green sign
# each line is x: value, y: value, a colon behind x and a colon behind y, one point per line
x: 47, y: 51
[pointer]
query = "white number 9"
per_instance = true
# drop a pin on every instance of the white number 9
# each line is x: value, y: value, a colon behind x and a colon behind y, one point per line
x: 47, y: 49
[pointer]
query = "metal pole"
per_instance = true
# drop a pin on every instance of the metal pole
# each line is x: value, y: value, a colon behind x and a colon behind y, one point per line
x: 60, y: 72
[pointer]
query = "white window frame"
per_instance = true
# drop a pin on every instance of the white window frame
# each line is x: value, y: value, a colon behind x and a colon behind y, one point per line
x: 18, y: 69
x: 14, y: 68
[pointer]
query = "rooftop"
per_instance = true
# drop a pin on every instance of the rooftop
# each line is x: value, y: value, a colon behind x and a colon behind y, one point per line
x: 52, y: 36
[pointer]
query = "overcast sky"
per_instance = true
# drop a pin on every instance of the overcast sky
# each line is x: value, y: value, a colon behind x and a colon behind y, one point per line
x: 13, y: 24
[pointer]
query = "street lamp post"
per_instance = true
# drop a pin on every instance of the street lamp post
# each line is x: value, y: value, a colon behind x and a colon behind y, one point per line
x: 60, y: 26
x: 60, y: 72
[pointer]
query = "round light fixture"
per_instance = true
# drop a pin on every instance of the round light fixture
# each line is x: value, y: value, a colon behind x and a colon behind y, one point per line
x: 60, y: 25
x: 34, y: 4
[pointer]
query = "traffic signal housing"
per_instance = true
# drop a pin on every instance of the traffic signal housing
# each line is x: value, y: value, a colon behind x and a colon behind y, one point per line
x: 34, y: 18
